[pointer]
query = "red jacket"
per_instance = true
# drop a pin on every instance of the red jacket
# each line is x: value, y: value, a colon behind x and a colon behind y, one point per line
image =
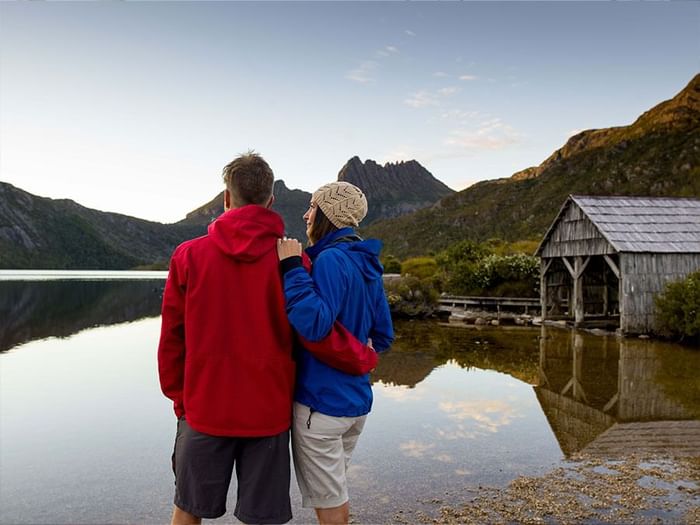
x: 225, y: 353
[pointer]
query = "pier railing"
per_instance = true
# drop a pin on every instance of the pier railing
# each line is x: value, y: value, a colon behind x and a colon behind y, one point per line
x: 494, y: 304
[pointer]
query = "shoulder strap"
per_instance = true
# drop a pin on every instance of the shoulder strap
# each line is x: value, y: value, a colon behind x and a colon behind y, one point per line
x: 347, y: 238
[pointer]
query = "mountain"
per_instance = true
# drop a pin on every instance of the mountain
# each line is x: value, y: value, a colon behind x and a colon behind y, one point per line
x: 290, y: 204
x: 38, y: 232
x: 657, y: 155
x: 394, y: 189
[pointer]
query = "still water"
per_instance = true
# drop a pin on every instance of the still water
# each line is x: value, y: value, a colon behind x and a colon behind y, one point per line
x: 86, y: 435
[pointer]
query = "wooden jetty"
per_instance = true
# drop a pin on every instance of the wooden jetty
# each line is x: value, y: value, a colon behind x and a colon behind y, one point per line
x: 663, y: 438
x: 496, y: 308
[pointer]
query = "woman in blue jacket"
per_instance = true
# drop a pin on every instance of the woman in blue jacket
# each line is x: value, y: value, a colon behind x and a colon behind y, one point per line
x: 346, y: 285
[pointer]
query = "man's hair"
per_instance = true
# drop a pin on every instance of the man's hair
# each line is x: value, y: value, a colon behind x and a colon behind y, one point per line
x: 249, y: 179
x: 321, y: 227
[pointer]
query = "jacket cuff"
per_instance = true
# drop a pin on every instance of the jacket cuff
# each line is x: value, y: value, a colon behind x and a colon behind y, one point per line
x: 290, y: 263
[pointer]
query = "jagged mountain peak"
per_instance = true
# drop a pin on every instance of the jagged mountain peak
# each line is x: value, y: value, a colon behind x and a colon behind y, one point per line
x: 394, y: 189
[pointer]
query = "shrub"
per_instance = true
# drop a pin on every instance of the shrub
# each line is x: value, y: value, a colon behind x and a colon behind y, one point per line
x: 391, y: 264
x: 411, y: 297
x: 495, y: 271
x: 420, y: 267
x: 463, y: 251
x: 479, y: 272
x: 678, y: 309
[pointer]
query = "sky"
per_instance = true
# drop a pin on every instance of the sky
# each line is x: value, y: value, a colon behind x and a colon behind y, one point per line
x: 136, y: 107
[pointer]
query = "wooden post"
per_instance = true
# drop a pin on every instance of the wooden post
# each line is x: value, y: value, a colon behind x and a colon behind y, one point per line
x: 544, y: 266
x: 578, y: 291
x: 606, y: 299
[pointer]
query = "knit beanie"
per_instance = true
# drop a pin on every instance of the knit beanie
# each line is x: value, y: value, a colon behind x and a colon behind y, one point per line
x: 343, y: 203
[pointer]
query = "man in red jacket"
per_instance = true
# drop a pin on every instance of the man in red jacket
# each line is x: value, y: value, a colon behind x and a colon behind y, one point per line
x: 225, y: 358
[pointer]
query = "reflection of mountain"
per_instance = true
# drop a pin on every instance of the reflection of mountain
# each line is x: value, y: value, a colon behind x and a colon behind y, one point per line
x: 588, y: 384
x: 422, y: 346
x: 37, y: 309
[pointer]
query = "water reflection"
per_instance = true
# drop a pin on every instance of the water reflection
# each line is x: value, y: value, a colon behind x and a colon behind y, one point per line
x: 422, y: 346
x: 33, y: 310
x: 588, y: 384
x: 454, y: 407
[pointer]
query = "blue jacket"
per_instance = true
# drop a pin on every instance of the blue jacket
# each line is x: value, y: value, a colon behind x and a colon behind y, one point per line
x: 345, y: 284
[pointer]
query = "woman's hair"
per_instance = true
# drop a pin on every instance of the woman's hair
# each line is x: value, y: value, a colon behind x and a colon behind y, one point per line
x: 320, y: 227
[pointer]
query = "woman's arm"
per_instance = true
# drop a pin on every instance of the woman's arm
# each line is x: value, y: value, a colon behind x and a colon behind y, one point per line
x: 312, y: 304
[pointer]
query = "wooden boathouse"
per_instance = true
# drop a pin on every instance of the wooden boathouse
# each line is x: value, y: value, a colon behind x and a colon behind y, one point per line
x: 604, y: 259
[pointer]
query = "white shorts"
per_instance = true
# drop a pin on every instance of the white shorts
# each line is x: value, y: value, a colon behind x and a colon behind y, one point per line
x: 322, y: 446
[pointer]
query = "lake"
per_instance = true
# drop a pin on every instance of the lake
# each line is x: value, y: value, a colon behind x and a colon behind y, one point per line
x: 86, y: 435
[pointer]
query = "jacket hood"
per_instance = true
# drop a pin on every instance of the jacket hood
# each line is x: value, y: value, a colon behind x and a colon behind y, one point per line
x: 364, y: 254
x: 247, y: 233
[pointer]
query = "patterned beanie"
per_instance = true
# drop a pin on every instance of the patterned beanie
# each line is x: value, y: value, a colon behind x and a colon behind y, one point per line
x: 343, y: 203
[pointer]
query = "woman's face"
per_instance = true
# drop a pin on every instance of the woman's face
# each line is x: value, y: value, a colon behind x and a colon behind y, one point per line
x: 309, y: 217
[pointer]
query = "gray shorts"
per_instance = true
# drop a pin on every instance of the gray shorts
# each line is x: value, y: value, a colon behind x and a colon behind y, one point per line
x: 322, y: 446
x: 203, y: 467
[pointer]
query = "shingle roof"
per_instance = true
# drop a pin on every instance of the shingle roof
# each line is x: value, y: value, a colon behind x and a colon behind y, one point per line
x: 644, y: 224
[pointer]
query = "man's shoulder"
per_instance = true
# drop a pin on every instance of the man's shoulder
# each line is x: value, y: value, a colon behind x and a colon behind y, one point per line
x: 190, y: 244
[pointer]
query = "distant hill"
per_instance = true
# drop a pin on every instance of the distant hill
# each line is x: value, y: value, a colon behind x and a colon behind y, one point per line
x: 657, y: 155
x: 37, y: 232
x: 290, y: 204
x: 394, y: 189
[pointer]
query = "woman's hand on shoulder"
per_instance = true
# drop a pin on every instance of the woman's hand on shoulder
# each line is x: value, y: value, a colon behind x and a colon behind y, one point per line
x: 288, y: 248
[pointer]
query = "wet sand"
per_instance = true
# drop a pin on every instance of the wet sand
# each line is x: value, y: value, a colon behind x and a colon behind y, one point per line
x: 635, y: 489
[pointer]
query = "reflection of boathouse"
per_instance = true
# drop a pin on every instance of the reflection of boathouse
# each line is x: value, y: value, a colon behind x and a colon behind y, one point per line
x: 616, y: 394
x: 604, y: 259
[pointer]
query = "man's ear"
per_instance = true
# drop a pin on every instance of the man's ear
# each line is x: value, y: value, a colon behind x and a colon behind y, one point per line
x: 270, y: 202
x: 227, y: 200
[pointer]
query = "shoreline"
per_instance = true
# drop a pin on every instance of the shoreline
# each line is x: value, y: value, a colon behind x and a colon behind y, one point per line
x: 632, y: 489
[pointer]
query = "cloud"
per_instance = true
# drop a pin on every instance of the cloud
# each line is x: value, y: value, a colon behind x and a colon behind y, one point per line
x: 459, y: 433
x: 467, y: 77
x: 409, y: 32
x: 363, y: 73
x: 489, y: 415
x: 415, y: 449
x: 491, y: 135
x: 459, y: 114
x: 447, y: 91
x: 387, y: 51
x: 421, y: 99
x: 440, y: 74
